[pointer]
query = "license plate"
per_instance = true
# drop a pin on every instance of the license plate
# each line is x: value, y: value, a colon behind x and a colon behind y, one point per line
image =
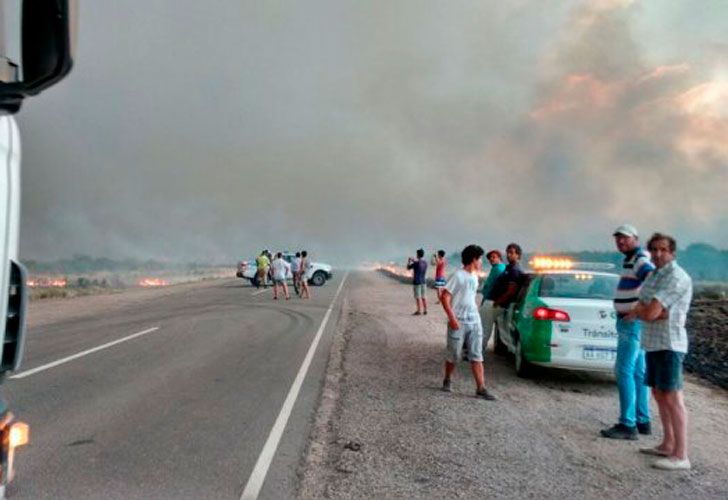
x: 599, y: 354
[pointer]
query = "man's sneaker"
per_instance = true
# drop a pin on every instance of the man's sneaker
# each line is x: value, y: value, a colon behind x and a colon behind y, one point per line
x: 672, y: 463
x: 484, y: 394
x: 644, y: 429
x: 620, y: 431
x: 447, y: 385
x: 416, y: 313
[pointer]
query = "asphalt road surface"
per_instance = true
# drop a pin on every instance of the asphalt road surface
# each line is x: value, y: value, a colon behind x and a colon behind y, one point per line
x: 171, y: 398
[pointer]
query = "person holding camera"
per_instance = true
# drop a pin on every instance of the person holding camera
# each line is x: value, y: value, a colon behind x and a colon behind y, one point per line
x: 419, y: 280
x: 440, y: 263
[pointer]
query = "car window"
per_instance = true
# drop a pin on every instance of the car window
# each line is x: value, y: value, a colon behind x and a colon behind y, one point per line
x: 578, y: 286
x: 527, y: 280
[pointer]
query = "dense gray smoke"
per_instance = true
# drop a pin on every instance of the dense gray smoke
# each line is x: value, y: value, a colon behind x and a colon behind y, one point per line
x: 210, y: 130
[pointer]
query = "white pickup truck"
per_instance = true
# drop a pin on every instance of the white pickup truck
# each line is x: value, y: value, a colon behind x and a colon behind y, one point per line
x: 317, y: 273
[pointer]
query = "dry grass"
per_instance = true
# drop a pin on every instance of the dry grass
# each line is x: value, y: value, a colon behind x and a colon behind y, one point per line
x: 113, y: 282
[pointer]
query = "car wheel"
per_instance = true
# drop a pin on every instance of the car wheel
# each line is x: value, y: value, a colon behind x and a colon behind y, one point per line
x: 318, y: 278
x: 523, y: 367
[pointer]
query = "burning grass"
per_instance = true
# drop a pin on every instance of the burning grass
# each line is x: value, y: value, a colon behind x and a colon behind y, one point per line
x: 402, y: 274
x: 74, y: 285
x: 152, y: 282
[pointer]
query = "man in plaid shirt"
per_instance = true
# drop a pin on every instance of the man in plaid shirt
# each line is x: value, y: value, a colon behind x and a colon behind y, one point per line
x: 663, y: 308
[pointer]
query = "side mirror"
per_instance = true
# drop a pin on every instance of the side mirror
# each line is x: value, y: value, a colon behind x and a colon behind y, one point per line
x: 47, y: 42
x: 47, y: 46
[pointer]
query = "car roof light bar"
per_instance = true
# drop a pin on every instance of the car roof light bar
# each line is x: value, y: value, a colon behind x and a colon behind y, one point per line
x: 543, y: 263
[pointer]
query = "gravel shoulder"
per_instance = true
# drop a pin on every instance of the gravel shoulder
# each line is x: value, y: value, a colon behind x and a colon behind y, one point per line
x: 385, y: 430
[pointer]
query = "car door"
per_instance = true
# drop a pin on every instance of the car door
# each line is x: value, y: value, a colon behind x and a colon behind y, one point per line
x: 520, y: 313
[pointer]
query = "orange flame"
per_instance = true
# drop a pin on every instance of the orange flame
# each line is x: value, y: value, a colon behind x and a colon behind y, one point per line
x: 152, y: 282
x: 47, y: 282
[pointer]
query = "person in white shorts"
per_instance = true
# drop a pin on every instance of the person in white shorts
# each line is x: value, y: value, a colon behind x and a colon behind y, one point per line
x: 463, y: 320
x: 280, y: 269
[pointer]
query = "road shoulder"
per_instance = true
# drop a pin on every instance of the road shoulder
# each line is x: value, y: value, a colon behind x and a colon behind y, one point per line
x: 384, y: 429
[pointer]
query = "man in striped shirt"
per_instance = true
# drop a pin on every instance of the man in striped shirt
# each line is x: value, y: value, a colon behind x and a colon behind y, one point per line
x: 629, y: 368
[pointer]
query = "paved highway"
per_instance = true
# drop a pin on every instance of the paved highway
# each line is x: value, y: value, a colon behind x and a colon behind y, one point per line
x: 174, y: 398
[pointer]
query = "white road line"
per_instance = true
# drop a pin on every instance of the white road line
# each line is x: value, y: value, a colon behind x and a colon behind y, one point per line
x: 259, y: 291
x: 255, y: 482
x: 48, y: 366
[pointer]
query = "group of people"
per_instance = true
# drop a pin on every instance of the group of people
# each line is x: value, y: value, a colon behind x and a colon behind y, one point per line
x: 652, y: 300
x: 468, y: 334
x: 277, y: 269
x: 498, y: 292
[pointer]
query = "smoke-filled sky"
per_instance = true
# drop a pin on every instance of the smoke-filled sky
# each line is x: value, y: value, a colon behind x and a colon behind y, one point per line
x: 196, y: 130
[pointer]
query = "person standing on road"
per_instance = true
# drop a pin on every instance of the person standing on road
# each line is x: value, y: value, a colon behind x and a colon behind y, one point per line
x: 280, y: 269
x: 296, y: 272
x: 505, y: 289
x: 263, y: 263
x: 463, y: 320
x: 663, y: 307
x: 440, y: 263
x: 304, y: 265
x: 495, y: 258
x: 419, y: 280
x: 629, y: 368
x: 270, y: 260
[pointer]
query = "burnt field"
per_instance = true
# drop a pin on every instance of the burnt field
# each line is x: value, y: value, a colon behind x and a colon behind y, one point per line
x: 708, y: 331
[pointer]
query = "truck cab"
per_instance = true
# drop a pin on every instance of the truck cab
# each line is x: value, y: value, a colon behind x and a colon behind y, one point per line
x: 44, y: 56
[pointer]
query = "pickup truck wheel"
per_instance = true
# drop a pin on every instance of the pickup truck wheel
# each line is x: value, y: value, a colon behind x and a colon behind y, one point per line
x: 318, y: 278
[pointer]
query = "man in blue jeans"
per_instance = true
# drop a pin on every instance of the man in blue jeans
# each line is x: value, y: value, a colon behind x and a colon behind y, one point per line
x: 419, y: 280
x: 634, y: 397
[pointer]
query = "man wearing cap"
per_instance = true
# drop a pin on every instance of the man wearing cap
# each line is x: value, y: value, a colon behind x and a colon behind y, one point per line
x: 629, y: 368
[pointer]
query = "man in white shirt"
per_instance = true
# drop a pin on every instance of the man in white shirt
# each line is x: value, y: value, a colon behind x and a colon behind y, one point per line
x: 280, y: 269
x: 463, y: 320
